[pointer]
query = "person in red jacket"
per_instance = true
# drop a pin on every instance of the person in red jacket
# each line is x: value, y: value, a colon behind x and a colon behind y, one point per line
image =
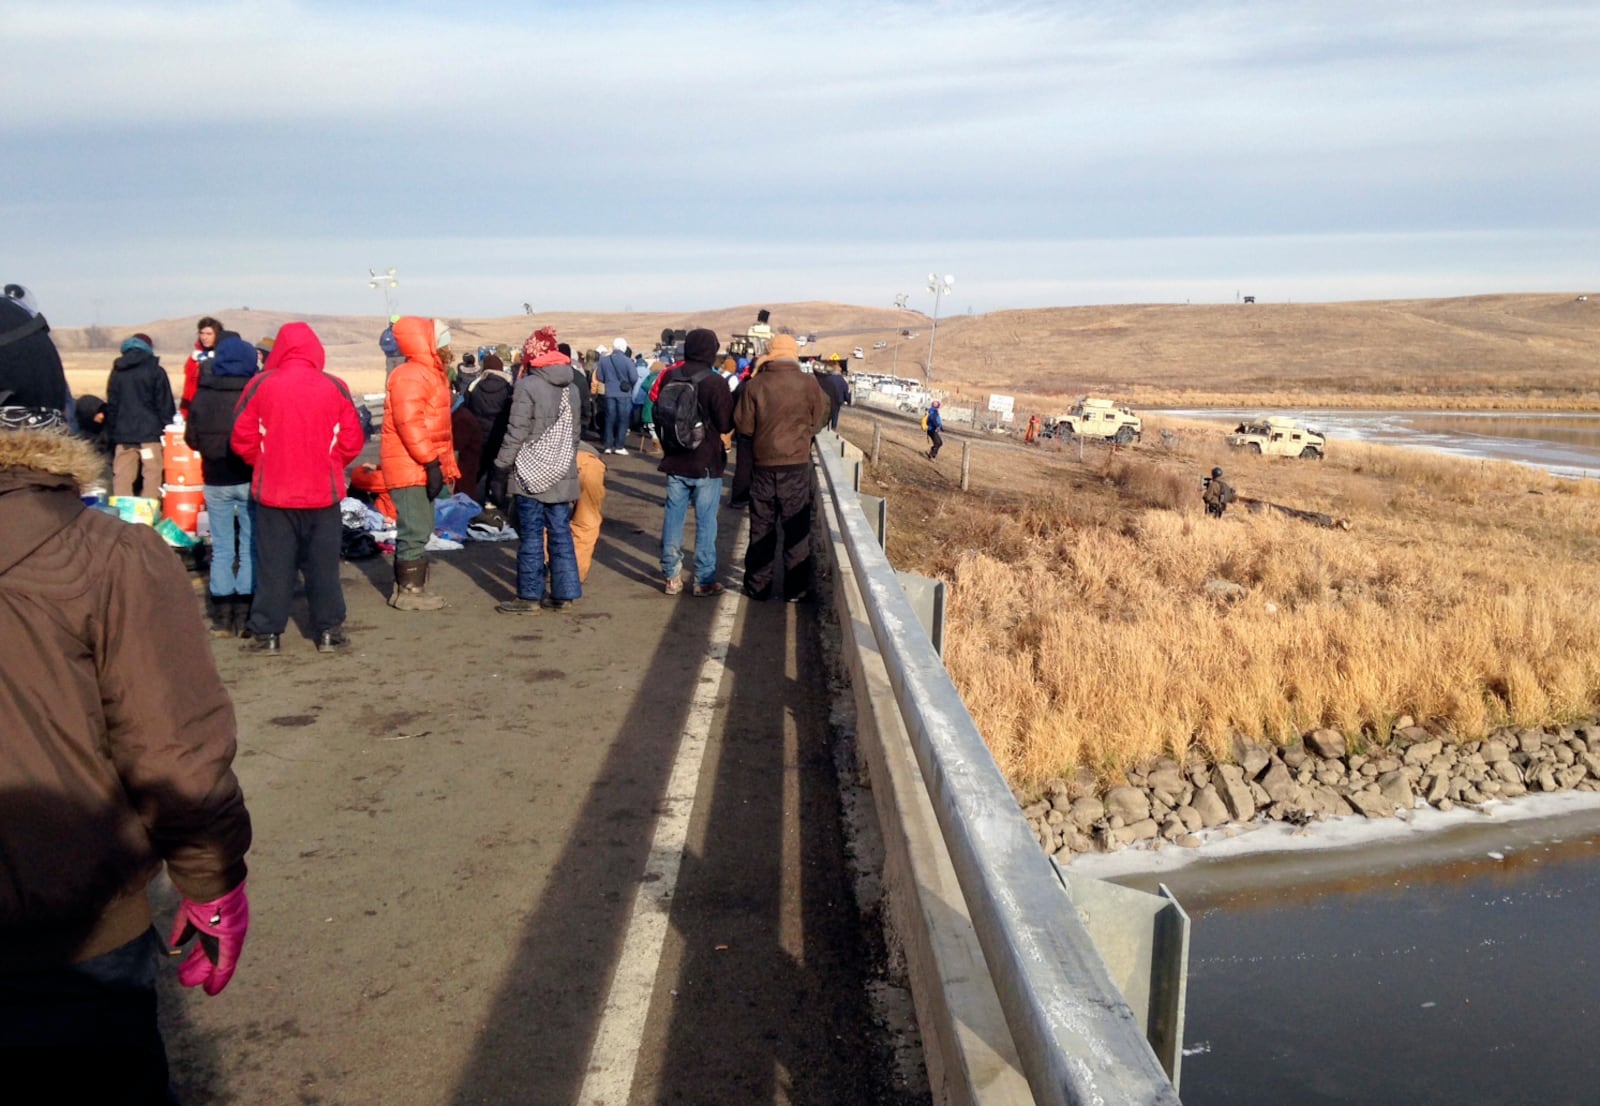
x: 417, y: 455
x: 207, y: 333
x: 297, y: 429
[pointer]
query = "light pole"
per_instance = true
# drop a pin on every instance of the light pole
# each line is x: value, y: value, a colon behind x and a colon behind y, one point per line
x: 387, y: 281
x: 939, y: 288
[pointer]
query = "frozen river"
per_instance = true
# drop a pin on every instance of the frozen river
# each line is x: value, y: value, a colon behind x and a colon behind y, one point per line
x: 1564, y: 443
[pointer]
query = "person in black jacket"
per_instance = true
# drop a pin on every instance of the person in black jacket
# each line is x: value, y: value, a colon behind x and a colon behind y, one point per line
x: 138, y: 407
x: 227, y: 482
x: 489, y: 400
x: 695, y: 475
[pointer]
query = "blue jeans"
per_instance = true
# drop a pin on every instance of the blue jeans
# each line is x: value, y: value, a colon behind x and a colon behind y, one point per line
x: 616, y: 432
x: 707, y: 493
x: 232, y: 517
x: 533, y: 520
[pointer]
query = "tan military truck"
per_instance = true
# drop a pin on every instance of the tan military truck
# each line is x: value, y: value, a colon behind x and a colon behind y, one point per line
x: 1276, y: 436
x: 1095, y: 419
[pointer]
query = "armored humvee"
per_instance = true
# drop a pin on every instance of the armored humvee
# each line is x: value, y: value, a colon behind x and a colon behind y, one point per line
x: 1097, y: 420
x: 1279, y: 437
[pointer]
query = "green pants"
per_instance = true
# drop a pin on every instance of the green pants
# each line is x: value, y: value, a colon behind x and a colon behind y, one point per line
x: 413, y: 522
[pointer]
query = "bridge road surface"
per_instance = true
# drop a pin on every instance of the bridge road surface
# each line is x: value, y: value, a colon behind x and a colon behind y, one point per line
x: 453, y: 823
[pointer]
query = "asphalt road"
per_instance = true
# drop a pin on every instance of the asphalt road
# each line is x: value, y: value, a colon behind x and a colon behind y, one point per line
x: 453, y: 821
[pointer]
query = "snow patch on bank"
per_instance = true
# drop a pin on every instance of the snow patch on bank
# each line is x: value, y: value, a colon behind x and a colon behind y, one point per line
x: 1347, y: 832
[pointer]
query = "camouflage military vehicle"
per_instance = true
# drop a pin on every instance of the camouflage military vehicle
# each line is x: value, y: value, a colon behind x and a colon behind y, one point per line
x: 1278, y: 437
x: 1097, y: 420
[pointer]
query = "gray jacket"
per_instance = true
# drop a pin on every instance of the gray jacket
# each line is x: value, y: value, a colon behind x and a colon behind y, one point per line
x: 534, y: 408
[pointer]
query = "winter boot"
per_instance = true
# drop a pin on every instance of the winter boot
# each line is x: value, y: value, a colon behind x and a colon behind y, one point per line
x: 219, y: 609
x: 241, y: 614
x: 411, y: 588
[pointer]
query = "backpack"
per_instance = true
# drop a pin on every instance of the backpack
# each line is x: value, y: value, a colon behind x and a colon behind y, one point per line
x: 544, y: 462
x: 679, y: 422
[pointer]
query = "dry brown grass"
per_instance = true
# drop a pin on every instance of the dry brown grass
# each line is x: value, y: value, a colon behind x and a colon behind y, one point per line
x: 1081, y: 630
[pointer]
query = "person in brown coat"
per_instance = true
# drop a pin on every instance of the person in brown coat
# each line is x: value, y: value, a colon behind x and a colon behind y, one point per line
x: 116, y: 748
x: 780, y: 409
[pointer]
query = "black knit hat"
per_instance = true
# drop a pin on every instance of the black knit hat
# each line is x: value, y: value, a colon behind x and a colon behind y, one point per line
x: 30, y: 367
x: 700, y: 346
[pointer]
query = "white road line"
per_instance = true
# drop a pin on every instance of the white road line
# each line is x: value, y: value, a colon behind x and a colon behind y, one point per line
x: 615, y: 1054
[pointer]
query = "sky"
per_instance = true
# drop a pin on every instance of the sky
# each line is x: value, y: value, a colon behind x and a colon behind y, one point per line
x: 163, y: 157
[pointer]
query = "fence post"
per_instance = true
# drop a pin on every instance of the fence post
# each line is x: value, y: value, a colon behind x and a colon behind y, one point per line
x: 966, y: 466
x: 877, y: 440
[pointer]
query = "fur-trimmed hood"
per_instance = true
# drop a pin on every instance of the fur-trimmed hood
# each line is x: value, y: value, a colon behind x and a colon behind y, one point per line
x: 25, y: 455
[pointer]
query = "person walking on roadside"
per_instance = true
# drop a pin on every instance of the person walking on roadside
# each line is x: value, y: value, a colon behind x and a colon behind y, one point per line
x: 1216, y: 493
x: 695, y: 398
x: 209, y: 432
x: 780, y: 411
x: 207, y: 333
x: 538, y: 461
x: 116, y: 755
x: 833, y: 386
x: 933, y: 423
x: 138, y: 408
x: 617, y: 373
x: 297, y: 429
x: 417, y: 457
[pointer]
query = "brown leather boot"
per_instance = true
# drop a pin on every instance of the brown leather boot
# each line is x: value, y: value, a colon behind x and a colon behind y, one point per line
x: 411, y: 588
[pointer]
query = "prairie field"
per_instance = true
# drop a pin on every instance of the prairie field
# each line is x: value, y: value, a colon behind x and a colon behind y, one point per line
x: 1098, y: 617
x: 1511, y: 351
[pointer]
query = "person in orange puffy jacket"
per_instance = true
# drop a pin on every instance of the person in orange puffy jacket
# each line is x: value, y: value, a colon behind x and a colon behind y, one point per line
x: 417, y: 456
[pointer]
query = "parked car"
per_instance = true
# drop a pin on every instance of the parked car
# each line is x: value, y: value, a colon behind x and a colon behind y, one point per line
x: 858, y: 353
x: 880, y: 344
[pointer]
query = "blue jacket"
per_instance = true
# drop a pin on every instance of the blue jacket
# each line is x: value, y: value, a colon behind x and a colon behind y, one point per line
x: 618, y: 373
x: 934, y: 421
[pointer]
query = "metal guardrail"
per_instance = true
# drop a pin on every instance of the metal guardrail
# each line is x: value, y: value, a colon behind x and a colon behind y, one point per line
x: 1077, y: 1039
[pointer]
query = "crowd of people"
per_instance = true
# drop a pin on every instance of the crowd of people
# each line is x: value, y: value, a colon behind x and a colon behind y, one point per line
x: 116, y: 753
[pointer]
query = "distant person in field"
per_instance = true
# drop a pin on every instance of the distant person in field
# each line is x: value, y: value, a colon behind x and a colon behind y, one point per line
x: 207, y: 333
x: 1216, y: 493
x: 780, y: 411
x: 138, y: 408
x: 1031, y: 435
x: 933, y: 423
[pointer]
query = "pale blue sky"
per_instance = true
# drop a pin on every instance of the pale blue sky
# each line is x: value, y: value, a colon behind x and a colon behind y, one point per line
x: 165, y: 158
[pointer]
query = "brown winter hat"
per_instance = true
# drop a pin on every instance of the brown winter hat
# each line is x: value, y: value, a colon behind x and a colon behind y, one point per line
x: 783, y: 347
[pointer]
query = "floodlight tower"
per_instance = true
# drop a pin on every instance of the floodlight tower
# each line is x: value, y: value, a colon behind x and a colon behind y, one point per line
x: 939, y: 288
x: 388, y: 282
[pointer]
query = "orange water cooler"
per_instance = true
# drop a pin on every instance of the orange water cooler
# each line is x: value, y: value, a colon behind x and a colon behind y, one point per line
x: 180, y: 465
x: 182, y: 495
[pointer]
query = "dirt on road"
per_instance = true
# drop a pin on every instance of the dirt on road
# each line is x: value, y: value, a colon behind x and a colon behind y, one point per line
x: 452, y: 821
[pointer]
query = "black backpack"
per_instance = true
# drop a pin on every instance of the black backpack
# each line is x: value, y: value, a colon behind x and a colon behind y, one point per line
x: 679, y: 423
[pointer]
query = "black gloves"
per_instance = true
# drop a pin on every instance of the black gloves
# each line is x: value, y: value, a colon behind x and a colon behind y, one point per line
x: 499, y: 479
x: 435, y: 478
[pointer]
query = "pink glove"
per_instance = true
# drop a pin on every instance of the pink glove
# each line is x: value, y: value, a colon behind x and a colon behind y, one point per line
x: 221, y: 927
